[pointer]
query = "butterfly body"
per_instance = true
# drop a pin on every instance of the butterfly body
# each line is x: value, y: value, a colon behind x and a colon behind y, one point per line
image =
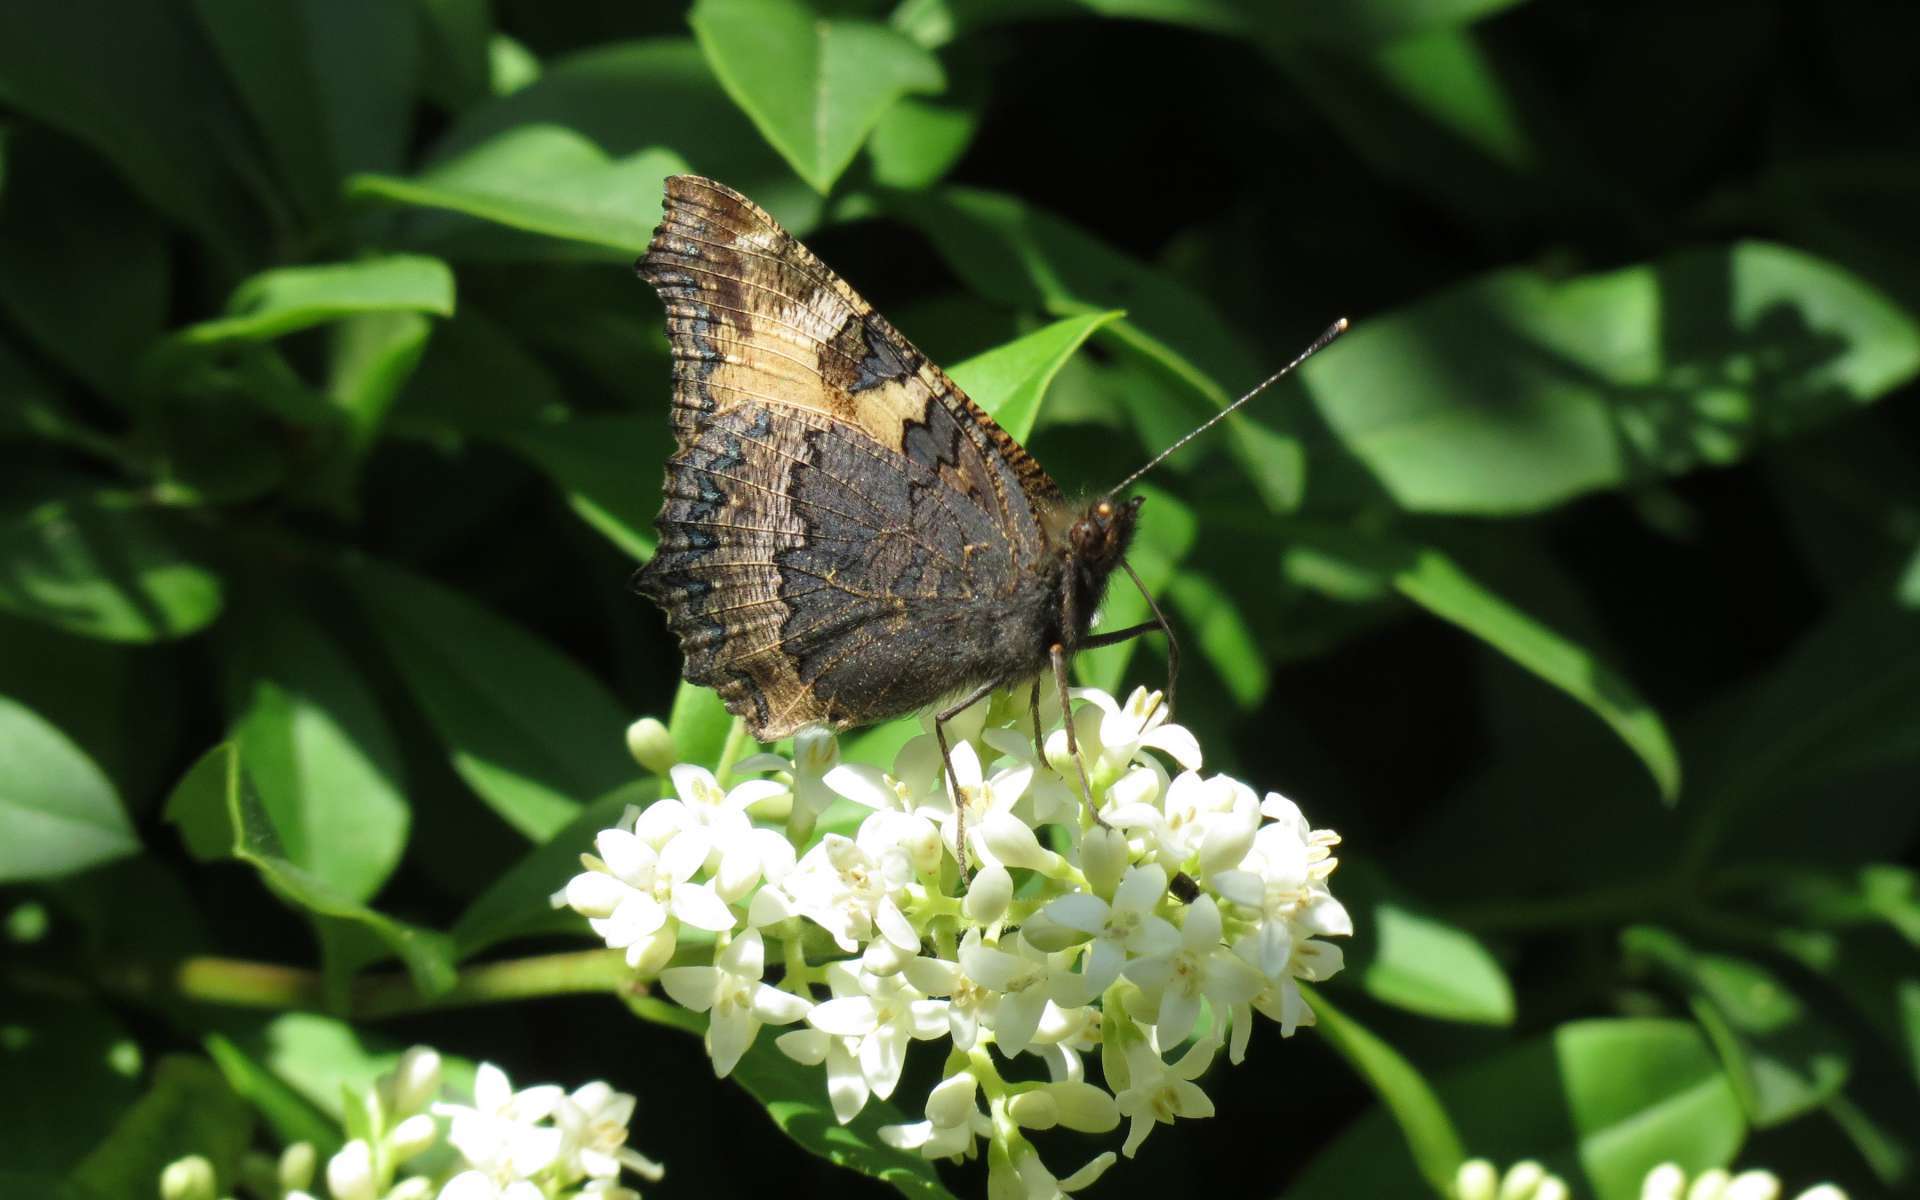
x: 846, y: 536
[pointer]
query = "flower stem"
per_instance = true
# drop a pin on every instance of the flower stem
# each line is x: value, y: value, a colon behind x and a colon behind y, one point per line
x: 242, y: 984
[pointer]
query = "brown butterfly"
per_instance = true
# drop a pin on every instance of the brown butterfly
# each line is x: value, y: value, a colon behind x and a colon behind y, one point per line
x: 847, y: 537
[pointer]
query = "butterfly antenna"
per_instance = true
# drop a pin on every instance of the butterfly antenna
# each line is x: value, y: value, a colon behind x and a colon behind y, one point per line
x: 1320, y: 343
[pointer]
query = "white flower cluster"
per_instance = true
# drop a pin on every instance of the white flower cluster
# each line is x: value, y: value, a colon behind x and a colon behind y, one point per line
x: 1163, y: 911
x: 1479, y: 1179
x: 537, y: 1143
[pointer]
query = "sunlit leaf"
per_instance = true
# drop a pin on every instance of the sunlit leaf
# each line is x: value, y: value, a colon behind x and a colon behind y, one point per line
x: 814, y: 86
x: 106, y: 568
x: 1010, y: 381
x: 61, y: 813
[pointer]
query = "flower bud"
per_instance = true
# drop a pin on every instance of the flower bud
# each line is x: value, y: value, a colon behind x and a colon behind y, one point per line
x: 651, y: 745
x: 1552, y: 1188
x: 989, y: 895
x: 1046, y: 934
x: 1752, y: 1185
x: 189, y: 1178
x: 1011, y: 840
x: 350, y: 1172
x: 1476, y: 1180
x: 295, y: 1169
x: 951, y: 1100
x: 415, y: 1080
x: 1103, y: 859
x: 882, y: 958
x: 414, y: 1187
x: 1523, y: 1178
x: 1076, y: 1105
x: 412, y: 1136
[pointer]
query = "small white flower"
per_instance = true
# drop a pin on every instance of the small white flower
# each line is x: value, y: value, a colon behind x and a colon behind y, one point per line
x: 630, y: 890
x: 953, y: 1121
x: 1122, y: 732
x: 878, y: 1017
x: 1175, y: 981
x: 1021, y: 980
x: 1126, y: 927
x: 593, y: 1121
x: 1038, y: 1183
x: 711, y: 827
x: 732, y: 992
x: 500, y: 1134
x: 984, y: 799
x: 478, y: 1185
x: 1157, y: 1093
x: 847, y: 891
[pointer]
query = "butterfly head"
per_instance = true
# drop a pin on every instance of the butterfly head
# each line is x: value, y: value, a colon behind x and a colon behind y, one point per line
x: 1101, y: 535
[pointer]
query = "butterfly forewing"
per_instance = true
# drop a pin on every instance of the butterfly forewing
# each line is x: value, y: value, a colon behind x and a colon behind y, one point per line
x: 837, y: 511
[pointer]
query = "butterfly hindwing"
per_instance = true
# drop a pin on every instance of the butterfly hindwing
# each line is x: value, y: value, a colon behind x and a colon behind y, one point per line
x: 837, y: 507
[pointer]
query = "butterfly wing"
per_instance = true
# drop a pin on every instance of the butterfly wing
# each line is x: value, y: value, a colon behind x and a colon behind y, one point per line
x: 837, y: 509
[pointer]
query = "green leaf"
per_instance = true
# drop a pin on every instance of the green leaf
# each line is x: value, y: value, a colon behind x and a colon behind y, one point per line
x: 700, y: 724
x: 286, y: 299
x: 106, y: 567
x: 1030, y: 259
x: 1404, y: 955
x: 71, y: 1072
x: 1782, y: 1059
x: 517, y: 904
x: 1518, y: 391
x: 1599, y: 1103
x: 220, y: 816
x: 1434, y: 582
x: 324, y: 1061
x: 795, y: 1097
x: 628, y: 97
x: 814, y: 87
x: 917, y: 141
x: 603, y: 465
x: 1010, y: 381
x: 329, y: 84
x: 136, y: 84
x: 317, y: 747
x: 1421, y: 1118
x: 530, y: 732
x: 290, y: 1115
x: 188, y: 1109
x: 540, y: 179
x: 61, y: 812
x: 1207, y: 618
x: 372, y: 358
x: 83, y: 266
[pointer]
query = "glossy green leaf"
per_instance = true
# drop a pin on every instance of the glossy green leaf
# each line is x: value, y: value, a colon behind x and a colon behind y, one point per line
x: 1518, y: 391
x: 533, y: 734
x: 518, y: 904
x: 1599, y: 1103
x: 188, y: 1109
x: 373, y: 357
x: 795, y: 1097
x: 1437, y: 584
x: 919, y: 139
x: 814, y: 87
x: 287, y: 299
x: 628, y: 97
x: 329, y: 83
x: 1782, y: 1059
x: 1031, y: 259
x: 220, y: 816
x: 1405, y: 955
x: 106, y: 568
x: 545, y: 180
x: 1423, y: 1122
x: 61, y: 813
x: 1208, y: 620
x: 139, y: 86
x: 290, y: 1115
x: 1011, y: 381
x: 318, y: 748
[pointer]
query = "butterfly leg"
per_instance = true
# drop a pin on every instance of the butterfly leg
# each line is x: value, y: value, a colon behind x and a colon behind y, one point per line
x: 940, y: 720
x: 1058, y: 654
x: 1033, y: 707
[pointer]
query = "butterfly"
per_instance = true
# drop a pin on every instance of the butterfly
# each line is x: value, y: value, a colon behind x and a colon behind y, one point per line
x: 846, y: 536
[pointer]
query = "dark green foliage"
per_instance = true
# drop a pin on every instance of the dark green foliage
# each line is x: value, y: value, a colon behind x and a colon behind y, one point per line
x: 331, y: 429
